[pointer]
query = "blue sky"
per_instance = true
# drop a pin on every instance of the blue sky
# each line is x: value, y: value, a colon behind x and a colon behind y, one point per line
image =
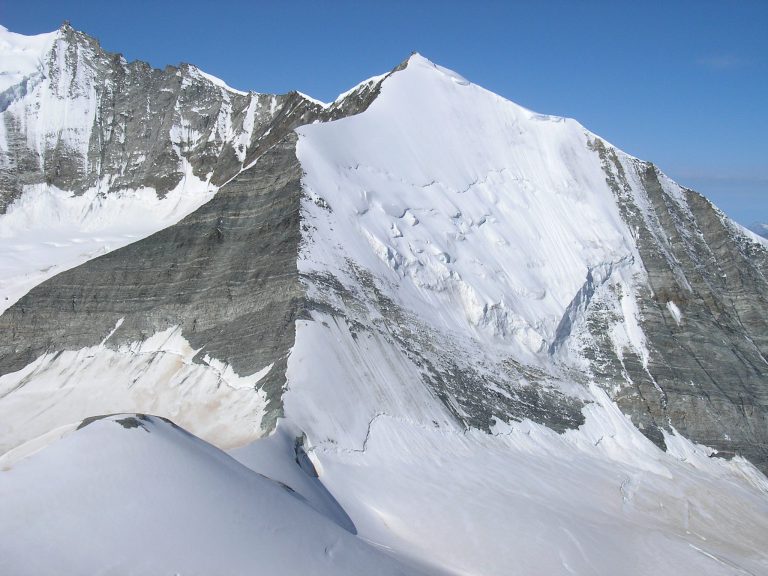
x: 683, y: 84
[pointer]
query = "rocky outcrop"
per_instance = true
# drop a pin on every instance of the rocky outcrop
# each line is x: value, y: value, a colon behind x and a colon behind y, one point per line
x: 226, y: 274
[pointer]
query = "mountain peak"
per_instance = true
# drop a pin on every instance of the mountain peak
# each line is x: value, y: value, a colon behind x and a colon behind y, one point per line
x: 418, y: 62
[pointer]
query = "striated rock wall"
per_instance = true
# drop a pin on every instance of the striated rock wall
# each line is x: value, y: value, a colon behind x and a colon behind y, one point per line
x: 703, y: 311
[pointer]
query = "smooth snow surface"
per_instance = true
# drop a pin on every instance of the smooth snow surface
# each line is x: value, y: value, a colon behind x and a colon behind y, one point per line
x: 136, y: 495
x: 598, y: 501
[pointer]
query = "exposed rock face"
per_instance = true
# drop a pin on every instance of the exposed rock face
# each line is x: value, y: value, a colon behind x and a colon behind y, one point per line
x: 475, y: 390
x: 226, y: 274
x: 704, y: 313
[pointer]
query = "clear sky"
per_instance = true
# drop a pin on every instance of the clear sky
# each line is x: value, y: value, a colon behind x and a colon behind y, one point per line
x: 681, y: 83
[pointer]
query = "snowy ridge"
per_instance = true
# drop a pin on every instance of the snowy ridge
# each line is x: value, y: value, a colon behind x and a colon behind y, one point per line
x: 451, y: 218
x: 218, y: 81
x: 156, y: 487
x: 21, y: 56
x: 372, y: 81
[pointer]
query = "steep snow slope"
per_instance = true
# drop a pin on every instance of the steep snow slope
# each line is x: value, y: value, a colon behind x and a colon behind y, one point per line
x: 454, y: 247
x: 459, y: 206
x: 513, y: 257
x: 135, y: 495
x: 471, y: 201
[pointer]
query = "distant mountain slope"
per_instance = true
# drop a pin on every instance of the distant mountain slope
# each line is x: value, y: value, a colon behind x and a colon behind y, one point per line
x: 97, y: 152
x: 231, y: 259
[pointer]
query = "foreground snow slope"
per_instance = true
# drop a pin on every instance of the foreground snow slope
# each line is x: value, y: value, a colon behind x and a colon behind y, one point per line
x: 132, y: 494
x: 600, y: 500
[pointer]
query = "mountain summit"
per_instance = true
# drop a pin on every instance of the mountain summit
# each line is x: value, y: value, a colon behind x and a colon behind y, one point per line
x: 486, y: 332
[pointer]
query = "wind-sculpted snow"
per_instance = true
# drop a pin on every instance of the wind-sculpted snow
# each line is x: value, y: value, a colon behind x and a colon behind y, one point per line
x: 460, y: 193
x: 156, y: 375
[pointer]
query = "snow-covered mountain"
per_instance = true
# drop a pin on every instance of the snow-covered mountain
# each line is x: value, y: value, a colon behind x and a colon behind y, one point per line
x: 501, y: 345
